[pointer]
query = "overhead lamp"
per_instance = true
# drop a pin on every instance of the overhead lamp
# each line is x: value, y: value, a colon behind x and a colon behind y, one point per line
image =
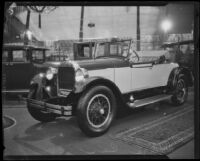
x: 166, y: 25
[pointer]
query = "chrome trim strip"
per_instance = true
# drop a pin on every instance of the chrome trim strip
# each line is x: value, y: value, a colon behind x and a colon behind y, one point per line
x: 142, y: 65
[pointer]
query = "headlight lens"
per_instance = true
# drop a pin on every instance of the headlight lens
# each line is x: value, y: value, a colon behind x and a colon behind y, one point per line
x: 81, y: 74
x: 50, y: 72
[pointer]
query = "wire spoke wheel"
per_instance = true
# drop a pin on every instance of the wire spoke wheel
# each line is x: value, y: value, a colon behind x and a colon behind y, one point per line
x: 98, y: 110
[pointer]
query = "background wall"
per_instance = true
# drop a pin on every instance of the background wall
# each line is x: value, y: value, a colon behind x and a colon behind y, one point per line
x: 64, y: 23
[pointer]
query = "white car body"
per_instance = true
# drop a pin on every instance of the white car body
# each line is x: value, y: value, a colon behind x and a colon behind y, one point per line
x: 138, y: 76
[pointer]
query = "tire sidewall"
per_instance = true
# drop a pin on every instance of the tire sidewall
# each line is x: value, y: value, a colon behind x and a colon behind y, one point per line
x: 174, y: 99
x: 82, y: 110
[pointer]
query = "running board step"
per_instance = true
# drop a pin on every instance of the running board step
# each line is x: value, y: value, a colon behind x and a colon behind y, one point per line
x: 149, y: 100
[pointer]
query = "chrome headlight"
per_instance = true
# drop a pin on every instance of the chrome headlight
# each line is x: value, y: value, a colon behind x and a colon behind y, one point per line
x: 81, y: 74
x: 50, y: 73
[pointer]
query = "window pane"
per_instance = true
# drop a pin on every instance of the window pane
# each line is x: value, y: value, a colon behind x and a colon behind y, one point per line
x: 19, y: 56
x: 101, y: 50
x: 113, y: 49
x: 124, y: 47
x: 86, y: 52
x: 5, y: 56
x: 83, y: 51
x: 37, y: 55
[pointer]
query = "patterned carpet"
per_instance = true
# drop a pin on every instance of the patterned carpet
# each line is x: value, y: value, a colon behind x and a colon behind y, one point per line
x: 163, y: 135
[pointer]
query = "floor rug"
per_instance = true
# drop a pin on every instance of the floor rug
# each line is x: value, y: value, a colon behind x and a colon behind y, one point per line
x: 163, y: 135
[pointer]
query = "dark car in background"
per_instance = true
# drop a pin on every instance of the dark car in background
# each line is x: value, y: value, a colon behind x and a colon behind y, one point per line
x: 182, y: 53
x: 18, y: 66
x: 20, y: 63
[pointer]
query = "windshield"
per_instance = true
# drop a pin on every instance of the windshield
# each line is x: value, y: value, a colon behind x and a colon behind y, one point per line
x: 113, y: 49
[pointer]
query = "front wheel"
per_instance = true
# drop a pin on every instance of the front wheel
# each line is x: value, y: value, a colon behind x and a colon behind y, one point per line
x: 181, y: 91
x: 96, y: 110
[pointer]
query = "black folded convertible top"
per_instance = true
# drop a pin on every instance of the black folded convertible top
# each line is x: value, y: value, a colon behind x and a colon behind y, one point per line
x: 170, y: 44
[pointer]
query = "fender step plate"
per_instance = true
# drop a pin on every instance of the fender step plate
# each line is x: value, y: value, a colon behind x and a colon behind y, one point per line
x: 149, y: 100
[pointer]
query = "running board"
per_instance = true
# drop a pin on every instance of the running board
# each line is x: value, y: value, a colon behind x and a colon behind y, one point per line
x: 149, y: 100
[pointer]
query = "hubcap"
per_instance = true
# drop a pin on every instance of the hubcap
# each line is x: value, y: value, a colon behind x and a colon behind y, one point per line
x: 101, y: 111
x: 98, y: 110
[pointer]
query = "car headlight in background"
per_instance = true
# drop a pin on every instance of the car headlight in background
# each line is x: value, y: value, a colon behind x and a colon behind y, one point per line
x: 50, y: 73
x: 41, y: 75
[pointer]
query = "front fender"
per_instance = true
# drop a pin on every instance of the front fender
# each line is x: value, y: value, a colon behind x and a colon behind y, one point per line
x: 174, y: 77
x: 38, y: 82
x: 93, y: 81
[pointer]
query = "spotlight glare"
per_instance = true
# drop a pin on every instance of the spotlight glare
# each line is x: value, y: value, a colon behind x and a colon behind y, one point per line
x: 166, y: 25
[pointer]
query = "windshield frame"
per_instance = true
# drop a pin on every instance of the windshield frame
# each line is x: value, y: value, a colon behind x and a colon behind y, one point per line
x: 94, y: 55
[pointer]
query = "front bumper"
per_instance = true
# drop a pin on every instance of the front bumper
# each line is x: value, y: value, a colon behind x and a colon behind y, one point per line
x: 62, y: 110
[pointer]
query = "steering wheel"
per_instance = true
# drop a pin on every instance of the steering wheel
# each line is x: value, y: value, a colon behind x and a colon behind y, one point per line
x: 135, y: 58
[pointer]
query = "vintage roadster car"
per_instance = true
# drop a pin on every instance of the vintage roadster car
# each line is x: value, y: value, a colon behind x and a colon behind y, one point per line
x: 92, y: 89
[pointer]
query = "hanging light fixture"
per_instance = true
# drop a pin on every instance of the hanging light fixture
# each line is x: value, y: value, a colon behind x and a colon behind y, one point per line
x: 40, y: 10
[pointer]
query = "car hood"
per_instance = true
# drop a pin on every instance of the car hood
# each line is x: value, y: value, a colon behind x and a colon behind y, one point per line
x: 91, y: 64
x: 102, y: 63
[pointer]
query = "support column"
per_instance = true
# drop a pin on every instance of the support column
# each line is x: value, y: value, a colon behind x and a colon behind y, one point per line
x: 81, y: 24
x: 138, y: 28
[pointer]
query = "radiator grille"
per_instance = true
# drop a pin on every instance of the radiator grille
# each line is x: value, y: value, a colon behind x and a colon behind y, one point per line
x: 66, y: 78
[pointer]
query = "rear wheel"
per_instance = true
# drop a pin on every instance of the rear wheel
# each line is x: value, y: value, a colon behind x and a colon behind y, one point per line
x: 39, y: 115
x: 181, y: 91
x: 96, y: 110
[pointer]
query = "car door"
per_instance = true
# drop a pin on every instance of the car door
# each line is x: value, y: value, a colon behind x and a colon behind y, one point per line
x: 141, y: 75
x: 122, y: 70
